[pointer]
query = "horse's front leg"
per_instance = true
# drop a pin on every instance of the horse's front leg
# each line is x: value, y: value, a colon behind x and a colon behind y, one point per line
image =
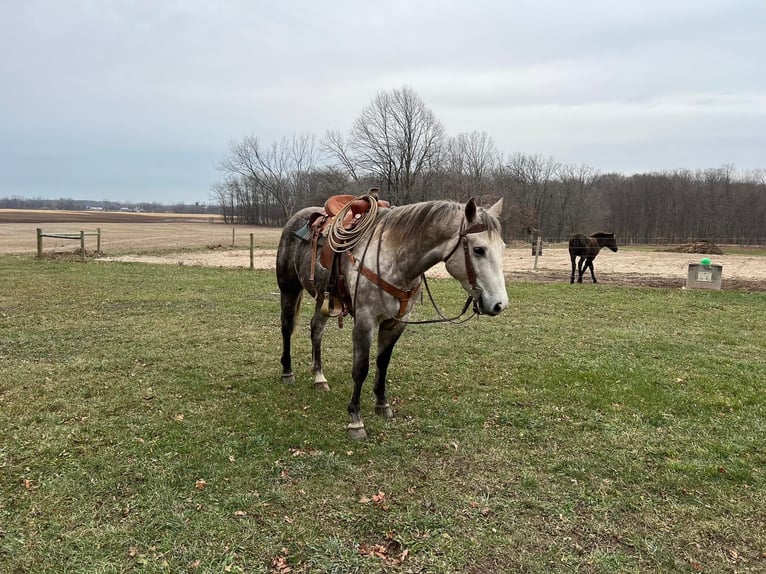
x: 318, y: 324
x: 571, y: 279
x: 362, y: 335
x: 592, y: 273
x: 388, y: 334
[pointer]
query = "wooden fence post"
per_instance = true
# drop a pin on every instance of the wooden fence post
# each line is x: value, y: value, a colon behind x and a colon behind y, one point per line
x: 39, y: 243
x: 252, y: 266
x: 98, y: 240
x: 82, y: 246
x: 539, y: 249
x: 233, y: 229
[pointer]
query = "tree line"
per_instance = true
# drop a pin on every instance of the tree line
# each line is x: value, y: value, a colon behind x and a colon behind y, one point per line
x: 69, y: 204
x: 399, y: 146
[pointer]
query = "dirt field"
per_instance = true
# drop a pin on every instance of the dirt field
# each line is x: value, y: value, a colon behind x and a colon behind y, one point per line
x: 204, y: 241
x: 123, y: 233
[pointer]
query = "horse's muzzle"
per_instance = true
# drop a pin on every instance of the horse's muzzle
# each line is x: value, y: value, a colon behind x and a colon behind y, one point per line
x: 482, y: 307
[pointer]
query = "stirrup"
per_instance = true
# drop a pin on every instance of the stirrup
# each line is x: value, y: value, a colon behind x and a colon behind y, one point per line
x: 331, y: 306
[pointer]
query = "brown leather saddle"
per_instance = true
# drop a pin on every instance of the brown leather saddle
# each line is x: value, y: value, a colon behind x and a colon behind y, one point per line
x: 336, y: 300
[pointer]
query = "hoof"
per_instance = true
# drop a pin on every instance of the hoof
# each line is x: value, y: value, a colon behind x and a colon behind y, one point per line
x: 356, y: 431
x: 384, y: 411
x: 288, y: 378
x: 321, y: 386
x: 357, y: 434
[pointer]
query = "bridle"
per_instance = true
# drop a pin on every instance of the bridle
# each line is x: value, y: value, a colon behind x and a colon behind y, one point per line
x: 404, y: 297
x: 475, y: 291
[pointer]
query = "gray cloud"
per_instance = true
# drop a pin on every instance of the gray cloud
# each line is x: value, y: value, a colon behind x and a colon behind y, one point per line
x: 137, y: 101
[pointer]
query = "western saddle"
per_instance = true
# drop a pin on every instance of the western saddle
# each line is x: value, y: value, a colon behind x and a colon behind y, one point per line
x: 338, y: 227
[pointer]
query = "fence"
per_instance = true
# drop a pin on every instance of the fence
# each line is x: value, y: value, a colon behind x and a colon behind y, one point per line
x: 252, y: 245
x: 63, y: 235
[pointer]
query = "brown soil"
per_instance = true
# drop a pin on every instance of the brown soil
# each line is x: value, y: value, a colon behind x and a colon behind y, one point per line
x: 701, y: 246
x: 96, y: 217
x: 126, y: 235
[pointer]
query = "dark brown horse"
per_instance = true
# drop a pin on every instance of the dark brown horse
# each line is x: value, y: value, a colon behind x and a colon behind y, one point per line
x: 586, y: 247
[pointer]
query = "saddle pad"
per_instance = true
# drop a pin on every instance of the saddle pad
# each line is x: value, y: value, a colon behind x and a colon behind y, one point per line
x: 303, y: 232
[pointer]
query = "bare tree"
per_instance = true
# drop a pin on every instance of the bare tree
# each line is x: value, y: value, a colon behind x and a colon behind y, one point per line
x: 478, y: 149
x: 533, y: 178
x: 335, y: 145
x: 469, y: 161
x: 396, y: 140
x: 280, y: 172
x: 574, y: 201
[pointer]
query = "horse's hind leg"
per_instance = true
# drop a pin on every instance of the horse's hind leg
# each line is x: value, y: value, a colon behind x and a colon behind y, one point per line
x: 388, y: 335
x: 581, y: 268
x: 318, y: 324
x: 291, y: 304
x: 573, y: 257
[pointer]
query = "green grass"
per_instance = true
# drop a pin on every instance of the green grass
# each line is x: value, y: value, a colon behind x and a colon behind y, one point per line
x: 589, y: 428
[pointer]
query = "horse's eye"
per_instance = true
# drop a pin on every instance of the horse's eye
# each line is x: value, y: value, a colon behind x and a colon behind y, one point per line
x: 479, y: 251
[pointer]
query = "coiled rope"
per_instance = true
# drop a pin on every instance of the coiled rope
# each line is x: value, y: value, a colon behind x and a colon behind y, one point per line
x: 342, y: 239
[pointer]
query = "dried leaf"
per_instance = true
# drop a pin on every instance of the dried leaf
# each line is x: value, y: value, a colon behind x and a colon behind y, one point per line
x: 390, y: 553
x: 379, y: 498
x: 280, y: 564
x: 300, y: 452
x: 200, y: 484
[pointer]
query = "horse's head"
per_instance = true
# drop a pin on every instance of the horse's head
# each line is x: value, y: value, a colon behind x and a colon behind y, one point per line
x: 477, y: 259
x: 610, y: 241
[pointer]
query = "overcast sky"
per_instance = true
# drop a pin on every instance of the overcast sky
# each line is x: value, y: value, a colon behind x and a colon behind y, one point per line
x: 140, y: 100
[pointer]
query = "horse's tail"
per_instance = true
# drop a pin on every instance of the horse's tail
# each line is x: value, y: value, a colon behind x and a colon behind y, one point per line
x: 298, y: 302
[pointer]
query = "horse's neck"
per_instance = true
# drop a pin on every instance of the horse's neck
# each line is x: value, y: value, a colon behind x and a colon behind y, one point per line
x: 433, y: 245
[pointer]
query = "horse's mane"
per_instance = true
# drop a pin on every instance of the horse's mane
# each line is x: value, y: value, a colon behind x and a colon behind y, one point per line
x: 602, y: 234
x: 406, y: 222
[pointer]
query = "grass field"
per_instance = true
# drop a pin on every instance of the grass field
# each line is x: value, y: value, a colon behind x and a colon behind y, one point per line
x: 589, y: 428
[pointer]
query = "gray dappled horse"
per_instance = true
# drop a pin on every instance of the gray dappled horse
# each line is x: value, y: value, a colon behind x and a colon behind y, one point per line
x: 586, y: 247
x: 383, y: 275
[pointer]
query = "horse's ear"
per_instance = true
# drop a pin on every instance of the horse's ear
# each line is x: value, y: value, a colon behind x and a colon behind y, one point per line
x: 470, y: 210
x: 497, y: 209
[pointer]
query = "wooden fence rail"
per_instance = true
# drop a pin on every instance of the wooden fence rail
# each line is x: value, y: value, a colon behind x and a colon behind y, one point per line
x: 64, y: 235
